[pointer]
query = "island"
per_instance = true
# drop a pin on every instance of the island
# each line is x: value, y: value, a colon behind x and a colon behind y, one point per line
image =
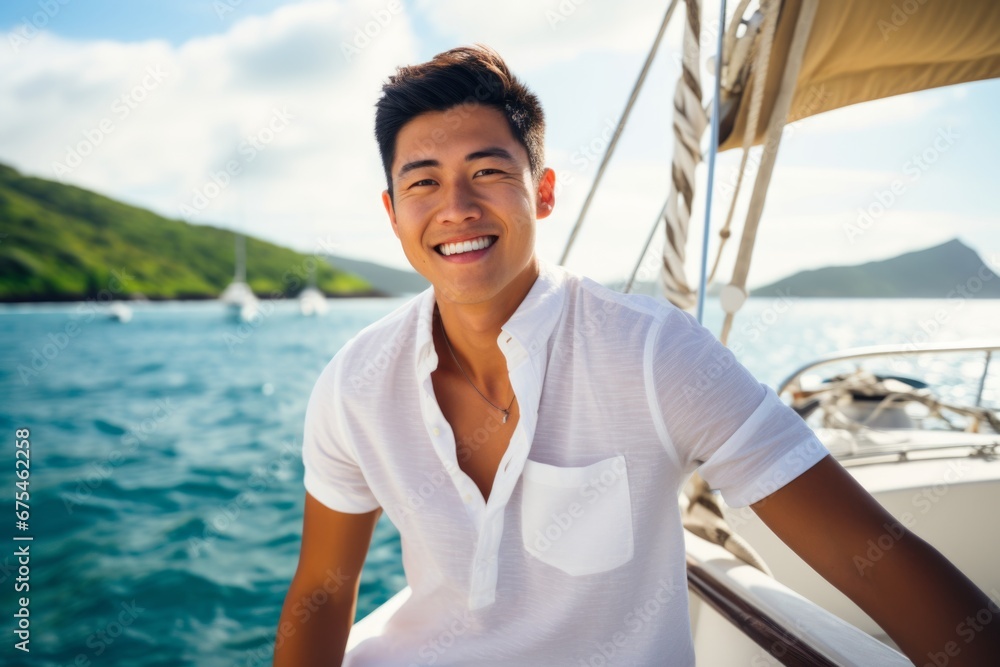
x: 59, y: 242
x: 949, y: 270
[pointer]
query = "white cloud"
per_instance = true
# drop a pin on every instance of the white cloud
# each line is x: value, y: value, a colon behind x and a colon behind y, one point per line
x: 275, y: 95
x: 320, y: 176
x: 538, y: 34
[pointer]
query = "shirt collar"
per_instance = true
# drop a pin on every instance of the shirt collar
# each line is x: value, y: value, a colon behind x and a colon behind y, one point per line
x: 530, y: 327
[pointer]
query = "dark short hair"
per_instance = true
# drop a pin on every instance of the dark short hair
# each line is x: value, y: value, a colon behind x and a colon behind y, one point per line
x: 468, y: 75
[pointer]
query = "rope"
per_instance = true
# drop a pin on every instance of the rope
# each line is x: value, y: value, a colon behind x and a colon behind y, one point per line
x: 841, y: 392
x: 734, y: 53
x: 734, y: 294
x: 761, y: 61
x: 704, y: 518
x: 733, y: 62
x: 690, y: 121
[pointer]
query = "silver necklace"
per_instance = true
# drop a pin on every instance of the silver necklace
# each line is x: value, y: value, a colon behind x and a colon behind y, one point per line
x: 506, y: 413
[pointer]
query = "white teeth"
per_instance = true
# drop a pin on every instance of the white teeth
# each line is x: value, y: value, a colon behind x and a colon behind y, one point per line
x: 466, y: 246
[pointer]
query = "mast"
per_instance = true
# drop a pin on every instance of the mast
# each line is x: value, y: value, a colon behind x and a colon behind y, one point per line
x: 240, y: 275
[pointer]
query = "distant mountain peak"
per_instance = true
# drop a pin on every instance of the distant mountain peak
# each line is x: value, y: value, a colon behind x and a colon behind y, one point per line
x: 941, y: 271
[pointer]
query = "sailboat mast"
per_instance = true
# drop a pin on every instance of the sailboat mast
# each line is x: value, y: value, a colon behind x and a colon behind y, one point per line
x: 241, y: 259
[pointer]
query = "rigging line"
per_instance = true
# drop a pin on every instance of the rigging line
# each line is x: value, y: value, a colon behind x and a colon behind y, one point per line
x: 713, y: 150
x: 618, y: 131
x: 982, y: 380
x: 759, y: 63
x: 645, y: 248
x: 769, y: 156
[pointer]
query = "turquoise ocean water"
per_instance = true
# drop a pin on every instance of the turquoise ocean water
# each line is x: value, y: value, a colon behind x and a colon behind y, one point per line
x: 165, y: 488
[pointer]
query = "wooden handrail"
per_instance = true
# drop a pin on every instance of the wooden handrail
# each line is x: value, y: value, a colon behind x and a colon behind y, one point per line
x: 752, y: 621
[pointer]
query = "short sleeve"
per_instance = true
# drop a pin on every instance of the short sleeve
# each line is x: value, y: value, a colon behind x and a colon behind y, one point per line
x: 332, y: 473
x: 719, y: 419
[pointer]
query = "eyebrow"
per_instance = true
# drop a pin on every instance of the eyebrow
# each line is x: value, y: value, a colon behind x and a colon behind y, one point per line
x: 418, y: 164
x: 493, y: 151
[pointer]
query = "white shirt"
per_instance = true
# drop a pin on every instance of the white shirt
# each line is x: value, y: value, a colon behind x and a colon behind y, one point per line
x: 578, y: 556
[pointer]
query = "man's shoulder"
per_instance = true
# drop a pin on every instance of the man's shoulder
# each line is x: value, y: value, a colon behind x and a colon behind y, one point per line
x: 378, y: 347
x: 589, y: 295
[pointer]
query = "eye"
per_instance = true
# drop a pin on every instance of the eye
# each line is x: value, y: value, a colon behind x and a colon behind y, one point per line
x: 488, y: 172
x: 422, y: 182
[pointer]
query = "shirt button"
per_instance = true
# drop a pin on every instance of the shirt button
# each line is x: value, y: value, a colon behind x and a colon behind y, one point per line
x: 467, y: 497
x: 436, y: 431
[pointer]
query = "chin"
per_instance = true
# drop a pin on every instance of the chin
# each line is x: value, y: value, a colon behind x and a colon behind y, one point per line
x: 465, y: 295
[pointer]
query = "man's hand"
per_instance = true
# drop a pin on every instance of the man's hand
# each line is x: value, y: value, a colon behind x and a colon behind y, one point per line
x: 319, y: 609
x: 914, y: 593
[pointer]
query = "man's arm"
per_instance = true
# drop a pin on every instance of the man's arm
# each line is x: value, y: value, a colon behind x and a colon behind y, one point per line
x: 915, y: 594
x: 319, y: 609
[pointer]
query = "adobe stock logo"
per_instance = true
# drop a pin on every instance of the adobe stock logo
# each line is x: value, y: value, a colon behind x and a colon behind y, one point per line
x: 913, y: 169
x: 121, y: 107
x: 30, y: 26
x: 363, y: 35
x: 249, y: 149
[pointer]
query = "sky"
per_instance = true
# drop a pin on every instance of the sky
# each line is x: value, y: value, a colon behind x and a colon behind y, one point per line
x: 257, y: 115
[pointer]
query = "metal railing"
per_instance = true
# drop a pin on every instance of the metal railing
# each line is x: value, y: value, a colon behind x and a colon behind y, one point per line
x: 791, y: 383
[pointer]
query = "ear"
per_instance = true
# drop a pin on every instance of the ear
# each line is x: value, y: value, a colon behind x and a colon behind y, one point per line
x: 546, y: 199
x: 387, y: 202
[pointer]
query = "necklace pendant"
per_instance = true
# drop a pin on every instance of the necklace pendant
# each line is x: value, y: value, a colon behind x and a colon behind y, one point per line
x: 505, y: 415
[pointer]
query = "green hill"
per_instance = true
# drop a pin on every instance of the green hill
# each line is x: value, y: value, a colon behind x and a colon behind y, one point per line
x: 949, y: 269
x: 59, y: 242
x: 383, y: 278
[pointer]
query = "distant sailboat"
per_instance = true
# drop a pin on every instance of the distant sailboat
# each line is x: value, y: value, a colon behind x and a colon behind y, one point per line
x: 243, y: 305
x: 311, y: 300
x: 119, y: 312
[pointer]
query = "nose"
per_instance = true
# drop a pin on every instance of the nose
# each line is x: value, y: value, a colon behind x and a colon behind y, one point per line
x: 458, y: 203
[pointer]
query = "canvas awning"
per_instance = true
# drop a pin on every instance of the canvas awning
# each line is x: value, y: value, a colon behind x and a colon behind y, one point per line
x: 861, y: 50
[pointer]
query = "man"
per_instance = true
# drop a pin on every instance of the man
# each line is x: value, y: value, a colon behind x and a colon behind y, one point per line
x: 528, y: 431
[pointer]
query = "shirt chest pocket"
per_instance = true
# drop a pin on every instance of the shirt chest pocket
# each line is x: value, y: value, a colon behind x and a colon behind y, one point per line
x: 577, y: 519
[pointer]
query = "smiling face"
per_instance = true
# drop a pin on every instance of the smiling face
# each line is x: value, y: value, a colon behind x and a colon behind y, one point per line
x: 464, y: 205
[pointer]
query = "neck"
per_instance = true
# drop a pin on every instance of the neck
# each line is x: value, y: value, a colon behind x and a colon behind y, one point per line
x: 473, y: 329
